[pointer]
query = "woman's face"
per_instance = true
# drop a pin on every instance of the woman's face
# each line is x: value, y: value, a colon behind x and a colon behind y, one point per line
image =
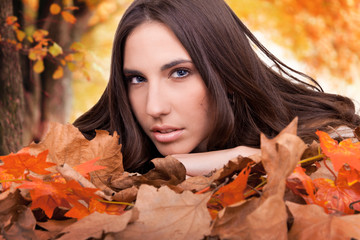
x: 166, y: 92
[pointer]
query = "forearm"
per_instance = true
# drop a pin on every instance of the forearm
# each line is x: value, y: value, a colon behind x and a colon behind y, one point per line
x: 203, y: 163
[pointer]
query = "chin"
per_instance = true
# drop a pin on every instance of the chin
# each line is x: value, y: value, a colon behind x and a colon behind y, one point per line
x: 165, y: 151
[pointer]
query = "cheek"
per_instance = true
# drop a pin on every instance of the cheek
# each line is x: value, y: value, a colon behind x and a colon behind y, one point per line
x: 137, y: 104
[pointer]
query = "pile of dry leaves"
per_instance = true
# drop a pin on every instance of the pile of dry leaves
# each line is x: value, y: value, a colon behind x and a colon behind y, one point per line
x: 67, y: 187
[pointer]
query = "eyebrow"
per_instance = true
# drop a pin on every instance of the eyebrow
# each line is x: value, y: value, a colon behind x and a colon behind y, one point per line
x: 174, y: 63
x: 163, y: 68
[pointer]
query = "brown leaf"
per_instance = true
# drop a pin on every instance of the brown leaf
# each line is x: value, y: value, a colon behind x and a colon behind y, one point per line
x: 280, y: 156
x: 9, y: 200
x: 234, y: 166
x: 167, y: 171
x: 126, y: 195
x: 164, y: 214
x: 56, y: 226
x: 196, y: 183
x: 66, y: 144
x: 22, y: 225
x: 265, y: 217
x: 94, y: 225
x: 70, y: 174
x: 311, y: 222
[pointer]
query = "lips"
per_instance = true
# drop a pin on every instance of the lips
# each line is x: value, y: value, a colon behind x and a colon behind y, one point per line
x: 166, y: 134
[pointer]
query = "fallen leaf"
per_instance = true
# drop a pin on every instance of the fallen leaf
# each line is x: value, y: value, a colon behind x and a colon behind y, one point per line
x: 126, y: 195
x: 167, y: 171
x: 265, y: 217
x: 50, y: 195
x: 164, y: 214
x: 54, y: 227
x: 17, y: 163
x: 334, y: 196
x: 66, y: 144
x: 196, y: 183
x: 96, y: 224
x: 87, y: 167
x: 22, y: 225
x: 230, y: 193
x: 311, y: 222
x: 340, y: 153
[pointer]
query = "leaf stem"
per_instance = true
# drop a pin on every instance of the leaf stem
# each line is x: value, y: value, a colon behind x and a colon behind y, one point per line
x: 114, y: 202
x: 317, y: 157
x: 12, y: 180
x: 255, y: 189
x: 330, y: 171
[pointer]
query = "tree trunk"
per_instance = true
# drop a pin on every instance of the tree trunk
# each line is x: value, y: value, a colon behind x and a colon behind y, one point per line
x: 11, y: 87
x: 46, y: 99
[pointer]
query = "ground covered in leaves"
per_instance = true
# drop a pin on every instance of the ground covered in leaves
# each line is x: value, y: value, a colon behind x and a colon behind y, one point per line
x: 67, y: 187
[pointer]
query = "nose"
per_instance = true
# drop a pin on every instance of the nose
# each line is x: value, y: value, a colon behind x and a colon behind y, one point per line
x: 158, y: 103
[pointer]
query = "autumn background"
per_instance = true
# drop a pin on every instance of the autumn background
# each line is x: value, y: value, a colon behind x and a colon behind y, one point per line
x: 55, y: 55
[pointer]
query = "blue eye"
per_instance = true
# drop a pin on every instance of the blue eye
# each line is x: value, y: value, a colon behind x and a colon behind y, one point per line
x: 180, y: 73
x: 136, y: 79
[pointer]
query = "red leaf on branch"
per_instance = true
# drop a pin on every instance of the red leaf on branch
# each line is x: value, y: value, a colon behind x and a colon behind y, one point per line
x: 68, y: 17
x: 340, y: 153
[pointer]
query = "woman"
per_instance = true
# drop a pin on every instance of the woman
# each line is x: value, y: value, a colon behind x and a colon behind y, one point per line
x: 185, y: 81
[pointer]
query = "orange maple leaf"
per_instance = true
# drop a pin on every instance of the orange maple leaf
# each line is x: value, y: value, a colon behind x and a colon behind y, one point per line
x: 49, y: 195
x: 230, y: 193
x: 333, y: 196
x: 85, y: 168
x: 340, y: 153
x: 6, y: 179
x: 16, y: 164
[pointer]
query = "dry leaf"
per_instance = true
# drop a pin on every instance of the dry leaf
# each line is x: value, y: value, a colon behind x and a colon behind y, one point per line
x: 94, y: 225
x: 164, y: 214
x: 126, y: 195
x: 265, y: 217
x: 167, y: 171
x: 22, y: 225
x: 9, y: 200
x: 196, y: 183
x: 311, y: 222
x: 55, y: 226
x: 66, y: 144
x: 232, y: 167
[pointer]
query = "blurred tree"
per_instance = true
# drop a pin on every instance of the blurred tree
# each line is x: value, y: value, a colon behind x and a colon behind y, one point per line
x: 11, y: 88
x: 321, y: 33
x: 35, y: 85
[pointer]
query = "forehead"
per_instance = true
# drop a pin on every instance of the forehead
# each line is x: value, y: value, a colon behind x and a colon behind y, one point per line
x: 153, y: 41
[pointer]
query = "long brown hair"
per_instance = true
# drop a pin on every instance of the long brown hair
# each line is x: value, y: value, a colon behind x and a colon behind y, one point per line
x: 247, y: 96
